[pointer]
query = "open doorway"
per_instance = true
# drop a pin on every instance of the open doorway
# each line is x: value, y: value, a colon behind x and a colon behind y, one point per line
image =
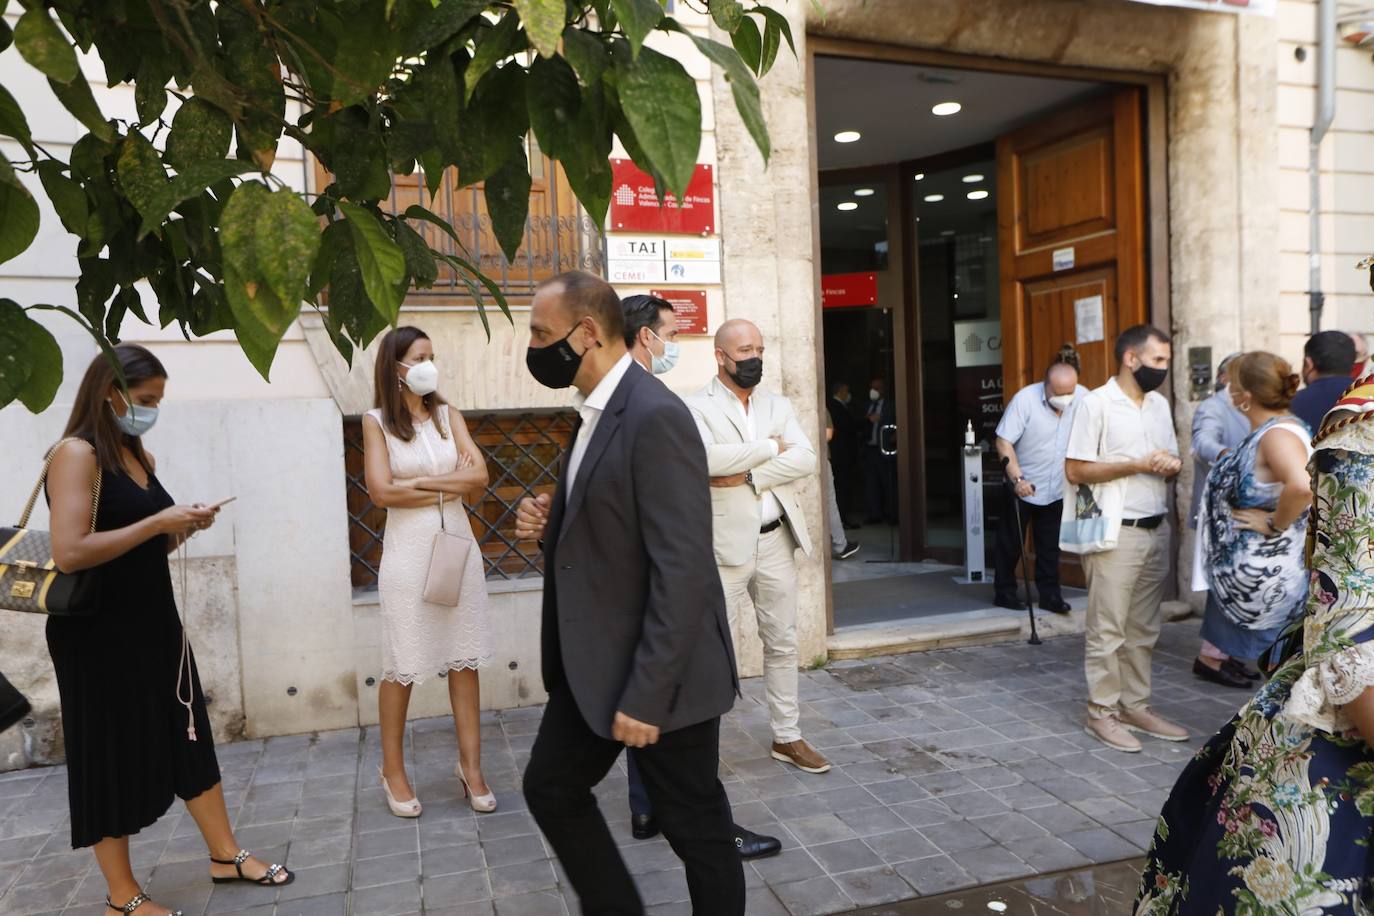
x: 948, y: 198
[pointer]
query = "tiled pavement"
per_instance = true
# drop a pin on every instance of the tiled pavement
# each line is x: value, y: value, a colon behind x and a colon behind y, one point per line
x: 953, y: 768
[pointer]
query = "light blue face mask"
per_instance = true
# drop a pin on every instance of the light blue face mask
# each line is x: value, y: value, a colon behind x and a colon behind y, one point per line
x: 665, y: 363
x: 136, y: 420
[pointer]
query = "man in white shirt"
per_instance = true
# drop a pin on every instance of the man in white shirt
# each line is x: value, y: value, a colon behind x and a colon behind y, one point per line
x: 756, y: 453
x: 1124, y: 431
x: 1032, y: 438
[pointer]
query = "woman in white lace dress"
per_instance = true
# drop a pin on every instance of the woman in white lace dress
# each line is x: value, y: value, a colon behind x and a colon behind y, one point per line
x: 420, y: 457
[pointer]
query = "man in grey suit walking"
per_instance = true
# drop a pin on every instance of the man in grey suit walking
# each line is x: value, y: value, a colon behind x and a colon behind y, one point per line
x: 635, y: 642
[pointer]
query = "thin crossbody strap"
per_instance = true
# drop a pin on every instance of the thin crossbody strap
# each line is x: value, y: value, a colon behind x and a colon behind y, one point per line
x: 43, y: 478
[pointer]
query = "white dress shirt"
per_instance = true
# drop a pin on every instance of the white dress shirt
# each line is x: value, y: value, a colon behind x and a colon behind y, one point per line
x: 1132, y: 432
x: 1040, y: 435
x: 770, y: 510
x: 590, y: 409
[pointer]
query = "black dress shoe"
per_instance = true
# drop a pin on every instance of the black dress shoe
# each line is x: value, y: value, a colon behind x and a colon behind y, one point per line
x: 1056, y: 606
x: 753, y: 845
x: 1010, y: 604
x: 1222, y: 676
x: 643, y: 826
x: 1240, y: 669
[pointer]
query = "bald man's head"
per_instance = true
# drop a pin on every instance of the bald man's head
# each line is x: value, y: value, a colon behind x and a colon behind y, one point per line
x: 1061, y: 379
x: 739, y: 354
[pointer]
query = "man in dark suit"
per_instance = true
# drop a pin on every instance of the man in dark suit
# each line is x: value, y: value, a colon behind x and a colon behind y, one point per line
x: 880, y: 469
x: 844, y: 448
x: 635, y: 641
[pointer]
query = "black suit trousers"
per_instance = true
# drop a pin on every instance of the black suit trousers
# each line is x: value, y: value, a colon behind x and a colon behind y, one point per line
x: 1044, y: 522
x: 689, y: 803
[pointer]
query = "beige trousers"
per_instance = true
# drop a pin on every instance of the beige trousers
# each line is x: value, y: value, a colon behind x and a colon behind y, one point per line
x: 1125, y: 588
x: 770, y: 579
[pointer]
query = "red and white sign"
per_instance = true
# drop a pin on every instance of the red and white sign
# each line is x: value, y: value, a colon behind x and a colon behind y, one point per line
x: 1259, y: 7
x: 635, y: 207
x: 689, y: 308
x: 840, y: 291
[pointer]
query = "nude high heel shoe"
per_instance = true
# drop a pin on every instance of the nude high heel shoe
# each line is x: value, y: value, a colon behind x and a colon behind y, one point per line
x: 399, y: 808
x: 482, y: 804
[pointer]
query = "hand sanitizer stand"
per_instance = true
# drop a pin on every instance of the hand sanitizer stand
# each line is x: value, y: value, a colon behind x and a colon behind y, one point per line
x: 975, y: 569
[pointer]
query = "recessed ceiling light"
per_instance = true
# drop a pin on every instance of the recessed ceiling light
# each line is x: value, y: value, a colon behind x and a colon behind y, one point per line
x: 979, y: 194
x: 933, y: 198
x: 945, y: 109
x: 847, y: 205
x: 863, y: 192
x: 972, y: 179
x: 920, y: 175
x: 847, y: 136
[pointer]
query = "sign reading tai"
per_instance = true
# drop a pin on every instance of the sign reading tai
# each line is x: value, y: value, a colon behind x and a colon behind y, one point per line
x: 635, y: 207
x: 689, y: 308
x: 849, y: 290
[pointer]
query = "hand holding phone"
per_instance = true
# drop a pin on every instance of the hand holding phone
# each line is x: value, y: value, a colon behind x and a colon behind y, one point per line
x: 223, y: 502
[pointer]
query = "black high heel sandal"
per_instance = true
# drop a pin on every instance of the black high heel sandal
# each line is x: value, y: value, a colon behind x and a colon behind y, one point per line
x: 267, y: 880
x: 139, y: 899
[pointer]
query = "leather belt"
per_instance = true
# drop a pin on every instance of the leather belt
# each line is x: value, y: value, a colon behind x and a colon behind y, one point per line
x: 771, y: 526
x: 1149, y: 523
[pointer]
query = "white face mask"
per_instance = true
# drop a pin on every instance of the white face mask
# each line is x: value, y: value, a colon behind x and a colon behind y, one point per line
x: 874, y: 394
x: 422, y: 378
x: 665, y: 363
x: 1061, y: 402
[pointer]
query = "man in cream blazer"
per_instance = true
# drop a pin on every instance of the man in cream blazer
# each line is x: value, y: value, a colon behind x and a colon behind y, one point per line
x: 756, y: 454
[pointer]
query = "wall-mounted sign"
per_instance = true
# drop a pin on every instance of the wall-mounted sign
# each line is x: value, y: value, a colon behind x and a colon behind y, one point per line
x: 977, y: 343
x: 849, y: 290
x: 655, y: 259
x: 689, y: 308
x: 635, y: 206
x: 1259, y: 7
x: 1063, y: 259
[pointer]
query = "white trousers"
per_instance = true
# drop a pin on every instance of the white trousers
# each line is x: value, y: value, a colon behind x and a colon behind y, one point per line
x: 770, y: 579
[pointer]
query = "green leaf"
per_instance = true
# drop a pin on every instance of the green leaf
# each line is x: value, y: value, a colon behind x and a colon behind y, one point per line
x: 588, y: 55
x: 493, y: 124
x: 187, y: 184
x: 6, y: 36
x: 94, y: 288
x: 150, y: 89
x: 772, y: 41
x: 660, y: 101
x: 637, y: 19
x: 508, y: 203
x: 199, y: 131
x: 779, y: 21
x: 353, y: 150
x: 16, y: 363
x: 742, y: 87
x: 728, y: 14
x: 44, y: 46
x: 494, y: 46
x: 415, y: 211
x: 438, y: 85
x: 748, y: 42
x: 420, y: 262
x: 446, y: 20
x: 554, y: 99
x: 381, y: 261
x: 140, y: 171
x: 267, y: 258
x: 68, y: 198
x: 544, y: 22
x: 18, y: 214
x: 45, y: 358
x: 251, y: 64
x: 349, y: 305
x: 13, y: 123
x: 334, y: 237
x: 76, y: 97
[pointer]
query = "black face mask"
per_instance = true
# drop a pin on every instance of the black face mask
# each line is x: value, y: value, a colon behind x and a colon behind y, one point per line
x: 556, y: 365
x: 1149, y: 378
x: 748, y: 372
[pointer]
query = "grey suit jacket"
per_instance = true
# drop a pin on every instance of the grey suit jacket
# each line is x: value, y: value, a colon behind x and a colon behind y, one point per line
x: 1217, y: 426
x: 634, y: 614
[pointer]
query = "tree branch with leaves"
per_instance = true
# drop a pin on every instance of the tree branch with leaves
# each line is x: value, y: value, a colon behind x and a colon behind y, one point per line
x: 374, y: 89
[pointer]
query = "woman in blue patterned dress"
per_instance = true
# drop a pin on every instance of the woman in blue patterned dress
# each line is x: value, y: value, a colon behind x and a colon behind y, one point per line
x: 1276, y: 812
x: 1253, y: 525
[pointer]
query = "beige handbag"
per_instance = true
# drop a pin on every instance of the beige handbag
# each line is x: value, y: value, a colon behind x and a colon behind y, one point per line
x: 448, y: 560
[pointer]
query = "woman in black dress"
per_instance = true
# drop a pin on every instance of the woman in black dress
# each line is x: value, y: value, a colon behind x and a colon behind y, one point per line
x: 133, y: 714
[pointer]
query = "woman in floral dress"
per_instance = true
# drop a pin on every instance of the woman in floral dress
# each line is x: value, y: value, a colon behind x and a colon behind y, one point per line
x: 1276, y: 813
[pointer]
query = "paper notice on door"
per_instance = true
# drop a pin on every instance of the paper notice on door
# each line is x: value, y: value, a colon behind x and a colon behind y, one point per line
x: 1087, y: 319
x: 1063, y: 259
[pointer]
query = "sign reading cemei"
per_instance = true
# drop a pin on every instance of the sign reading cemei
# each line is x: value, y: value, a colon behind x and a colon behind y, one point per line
x: 655, y: 259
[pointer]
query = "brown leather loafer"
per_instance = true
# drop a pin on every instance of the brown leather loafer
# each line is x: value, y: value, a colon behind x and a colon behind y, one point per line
x: 801, y: 755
